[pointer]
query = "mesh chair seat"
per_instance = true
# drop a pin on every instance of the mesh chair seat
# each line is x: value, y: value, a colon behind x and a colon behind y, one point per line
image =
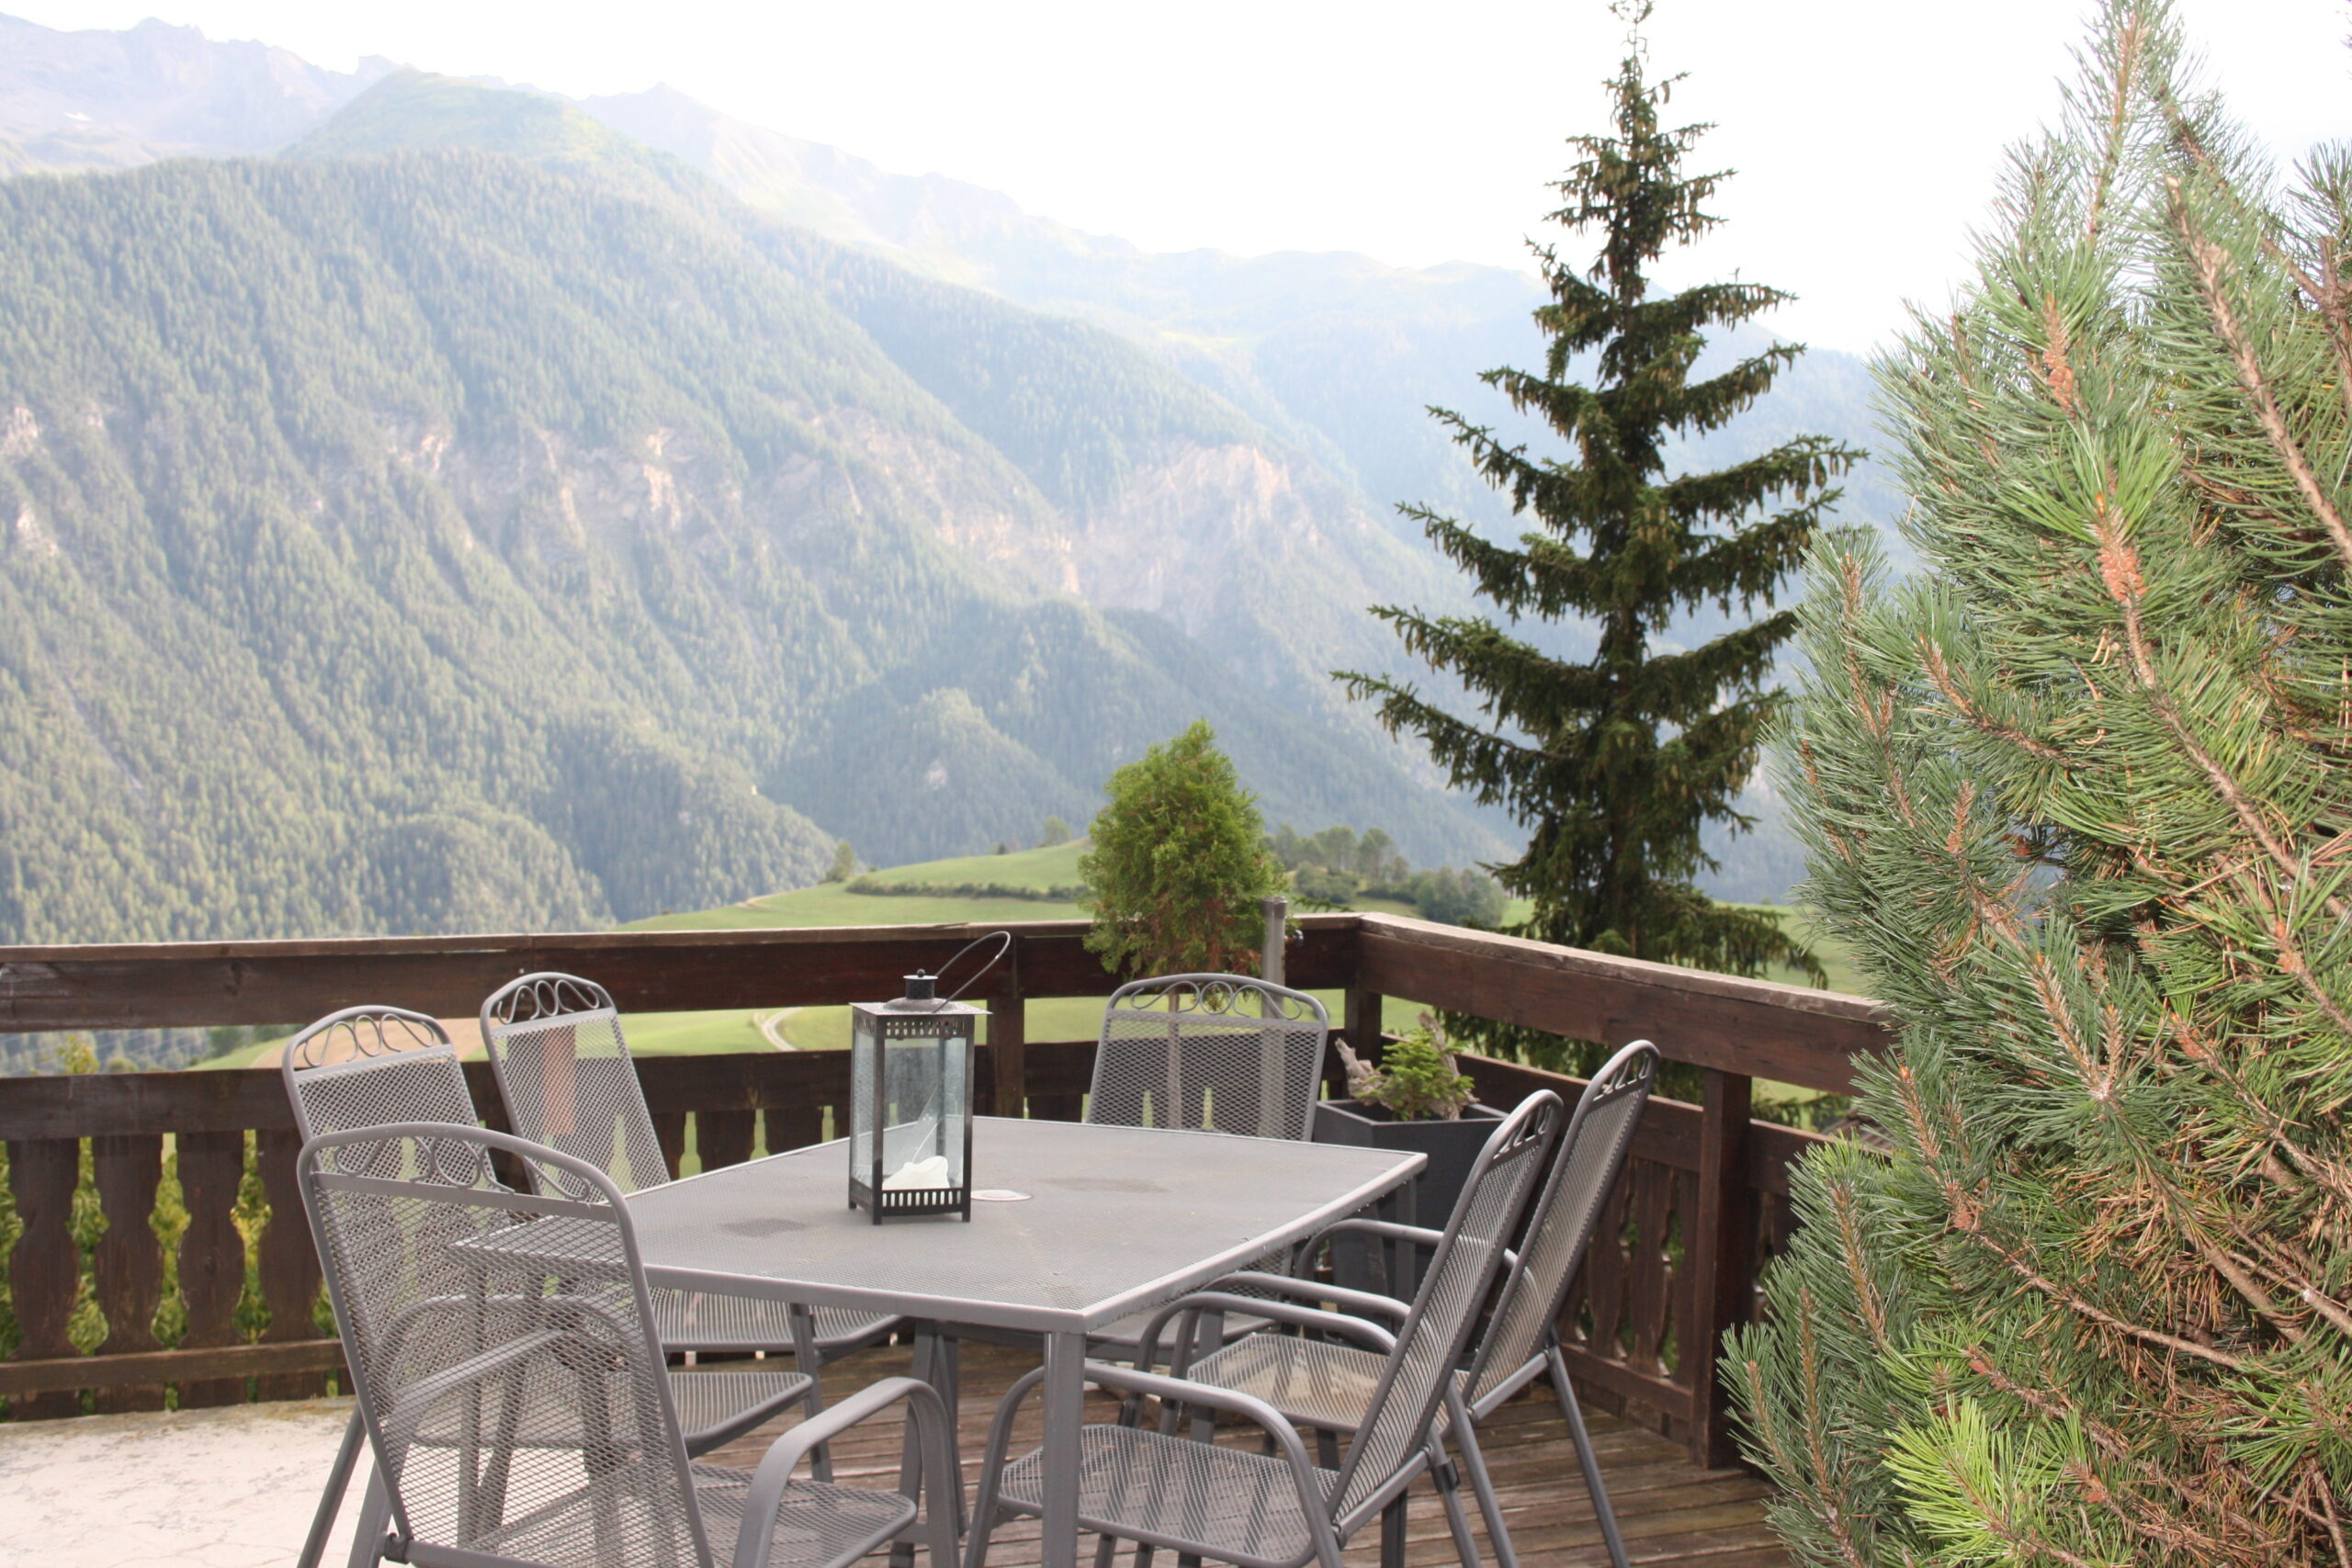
x: 699, y: 1321
x: 818, y: 1526
x: 820, y: 1523
x: 838, y: 1326
x: 1227, y: 1502
x: 718, y: 1406
x: 1313, y: 1383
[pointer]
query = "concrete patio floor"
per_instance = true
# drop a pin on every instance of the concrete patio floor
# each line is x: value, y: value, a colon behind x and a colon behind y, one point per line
x: 233, y: 1487
x: 236, y: 1487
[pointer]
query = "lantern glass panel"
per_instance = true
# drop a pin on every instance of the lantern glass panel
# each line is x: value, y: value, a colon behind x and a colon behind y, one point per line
x: 924, y: 1101
x: 864, y: 1052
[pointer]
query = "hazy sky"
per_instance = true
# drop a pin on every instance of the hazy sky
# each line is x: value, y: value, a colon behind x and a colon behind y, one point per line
x: 1867, y: 133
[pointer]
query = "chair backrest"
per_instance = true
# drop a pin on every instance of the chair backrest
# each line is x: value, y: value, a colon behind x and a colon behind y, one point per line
x: 1561, y: 1224
x: 1460, y: 1278
x: 367, y: 1066
x: 1213, y: 1053
x: 565, y: 1073
x: 501, y: 1342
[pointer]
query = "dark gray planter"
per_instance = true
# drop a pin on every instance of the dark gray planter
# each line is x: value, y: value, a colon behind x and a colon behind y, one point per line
x: 1452, y: 1147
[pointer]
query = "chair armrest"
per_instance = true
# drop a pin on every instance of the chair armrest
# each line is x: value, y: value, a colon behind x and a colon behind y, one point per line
x: 420, y: 1395
x: 1387, y: 1230
x: 1362, y: 1303
x: 1370, y: 1335
x: 754, y: 1540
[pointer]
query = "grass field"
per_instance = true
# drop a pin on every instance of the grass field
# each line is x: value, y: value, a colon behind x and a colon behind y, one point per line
x: 832, y: 905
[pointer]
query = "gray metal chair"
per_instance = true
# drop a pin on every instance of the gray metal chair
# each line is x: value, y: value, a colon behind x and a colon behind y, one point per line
x: 1327, y: 1385
x: 513, y: 1388
x: 371, y: 1066
x: 1280, y: 1510
x: 1210, y: 1053
x: 564, y: 1070
x: 1207, y: 1053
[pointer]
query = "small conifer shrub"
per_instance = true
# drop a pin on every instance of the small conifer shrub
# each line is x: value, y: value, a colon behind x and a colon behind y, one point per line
x: 1178, y: 865
x: 1417, y: 1080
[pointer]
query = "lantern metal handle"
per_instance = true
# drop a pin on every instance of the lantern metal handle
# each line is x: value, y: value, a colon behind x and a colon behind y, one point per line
x: 1004, y: 945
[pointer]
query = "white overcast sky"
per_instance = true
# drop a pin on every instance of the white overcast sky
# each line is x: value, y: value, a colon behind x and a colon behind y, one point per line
x: 1867, y: 133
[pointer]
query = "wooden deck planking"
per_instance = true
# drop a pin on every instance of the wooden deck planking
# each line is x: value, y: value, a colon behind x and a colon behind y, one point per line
x: 1669, y: 1511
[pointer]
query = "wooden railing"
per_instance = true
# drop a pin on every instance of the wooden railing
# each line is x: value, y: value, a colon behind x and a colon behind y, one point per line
x: 1703, y: 1201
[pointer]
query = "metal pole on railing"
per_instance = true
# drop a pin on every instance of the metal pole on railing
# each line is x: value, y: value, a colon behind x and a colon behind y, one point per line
x: 1276, y: 908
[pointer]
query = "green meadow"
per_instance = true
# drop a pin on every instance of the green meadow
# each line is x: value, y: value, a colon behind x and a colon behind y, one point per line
x: 832, y: 905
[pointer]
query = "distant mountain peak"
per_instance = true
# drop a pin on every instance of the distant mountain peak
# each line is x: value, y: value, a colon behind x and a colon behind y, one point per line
x: 413, y: 110
x: 113, y: 98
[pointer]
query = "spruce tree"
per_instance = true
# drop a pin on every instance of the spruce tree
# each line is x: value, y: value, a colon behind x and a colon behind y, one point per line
x: 1617, y: 762
x: 2080, y: 798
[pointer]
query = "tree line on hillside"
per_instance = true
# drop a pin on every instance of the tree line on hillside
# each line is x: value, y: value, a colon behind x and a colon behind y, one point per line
x: 1335, y: 868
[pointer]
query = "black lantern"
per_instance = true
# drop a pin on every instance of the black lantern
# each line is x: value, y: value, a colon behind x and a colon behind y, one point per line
x: 910, y: 1104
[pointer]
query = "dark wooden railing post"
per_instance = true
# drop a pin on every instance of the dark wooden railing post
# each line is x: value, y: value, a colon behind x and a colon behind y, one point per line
x: 128, y: 1265
x: 1009, y: 1038
x: 1722, y: 1258
x: 796, y: 1125
x: 724, y: 1137
x: 45, y: 1267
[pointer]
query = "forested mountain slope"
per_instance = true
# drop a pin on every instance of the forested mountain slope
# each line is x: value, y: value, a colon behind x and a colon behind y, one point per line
x: 439, y: 540
x: 1172, y: 500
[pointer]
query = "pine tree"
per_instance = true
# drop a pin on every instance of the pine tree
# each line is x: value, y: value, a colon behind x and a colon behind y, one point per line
x: 1616, y: 763
x: 2079, y: 799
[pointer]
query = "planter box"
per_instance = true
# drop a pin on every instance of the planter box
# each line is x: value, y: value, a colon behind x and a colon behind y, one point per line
x: 1452, y: 1147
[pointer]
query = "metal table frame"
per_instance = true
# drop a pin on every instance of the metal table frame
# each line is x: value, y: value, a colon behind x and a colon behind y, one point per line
x: 1200, y: 1205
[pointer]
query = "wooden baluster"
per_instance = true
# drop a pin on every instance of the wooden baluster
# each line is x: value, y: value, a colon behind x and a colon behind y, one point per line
x: 45, y: 1267
x: 289, y: 1263
x: 1007, y: 1086
x: 1721, y: 1257
x: 669, y: 1132
x: 128, y: 1263
x: 212, y: 1255
x: 724, y: 1137
x: 1605, y: 1270
x: 1649, y: 1289
x: 795, y: 1126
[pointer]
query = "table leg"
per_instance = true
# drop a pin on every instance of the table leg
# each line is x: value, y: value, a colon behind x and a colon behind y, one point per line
x: 1064, y: 1398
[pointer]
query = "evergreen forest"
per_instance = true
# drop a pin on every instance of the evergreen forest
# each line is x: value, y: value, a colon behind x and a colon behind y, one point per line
x: 439, y: 540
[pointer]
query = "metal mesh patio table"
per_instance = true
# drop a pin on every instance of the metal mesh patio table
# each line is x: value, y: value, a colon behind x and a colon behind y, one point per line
x: 1117, y: 1219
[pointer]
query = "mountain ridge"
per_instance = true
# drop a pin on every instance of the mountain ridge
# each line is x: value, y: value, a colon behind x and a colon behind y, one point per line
x: 373, y: 566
